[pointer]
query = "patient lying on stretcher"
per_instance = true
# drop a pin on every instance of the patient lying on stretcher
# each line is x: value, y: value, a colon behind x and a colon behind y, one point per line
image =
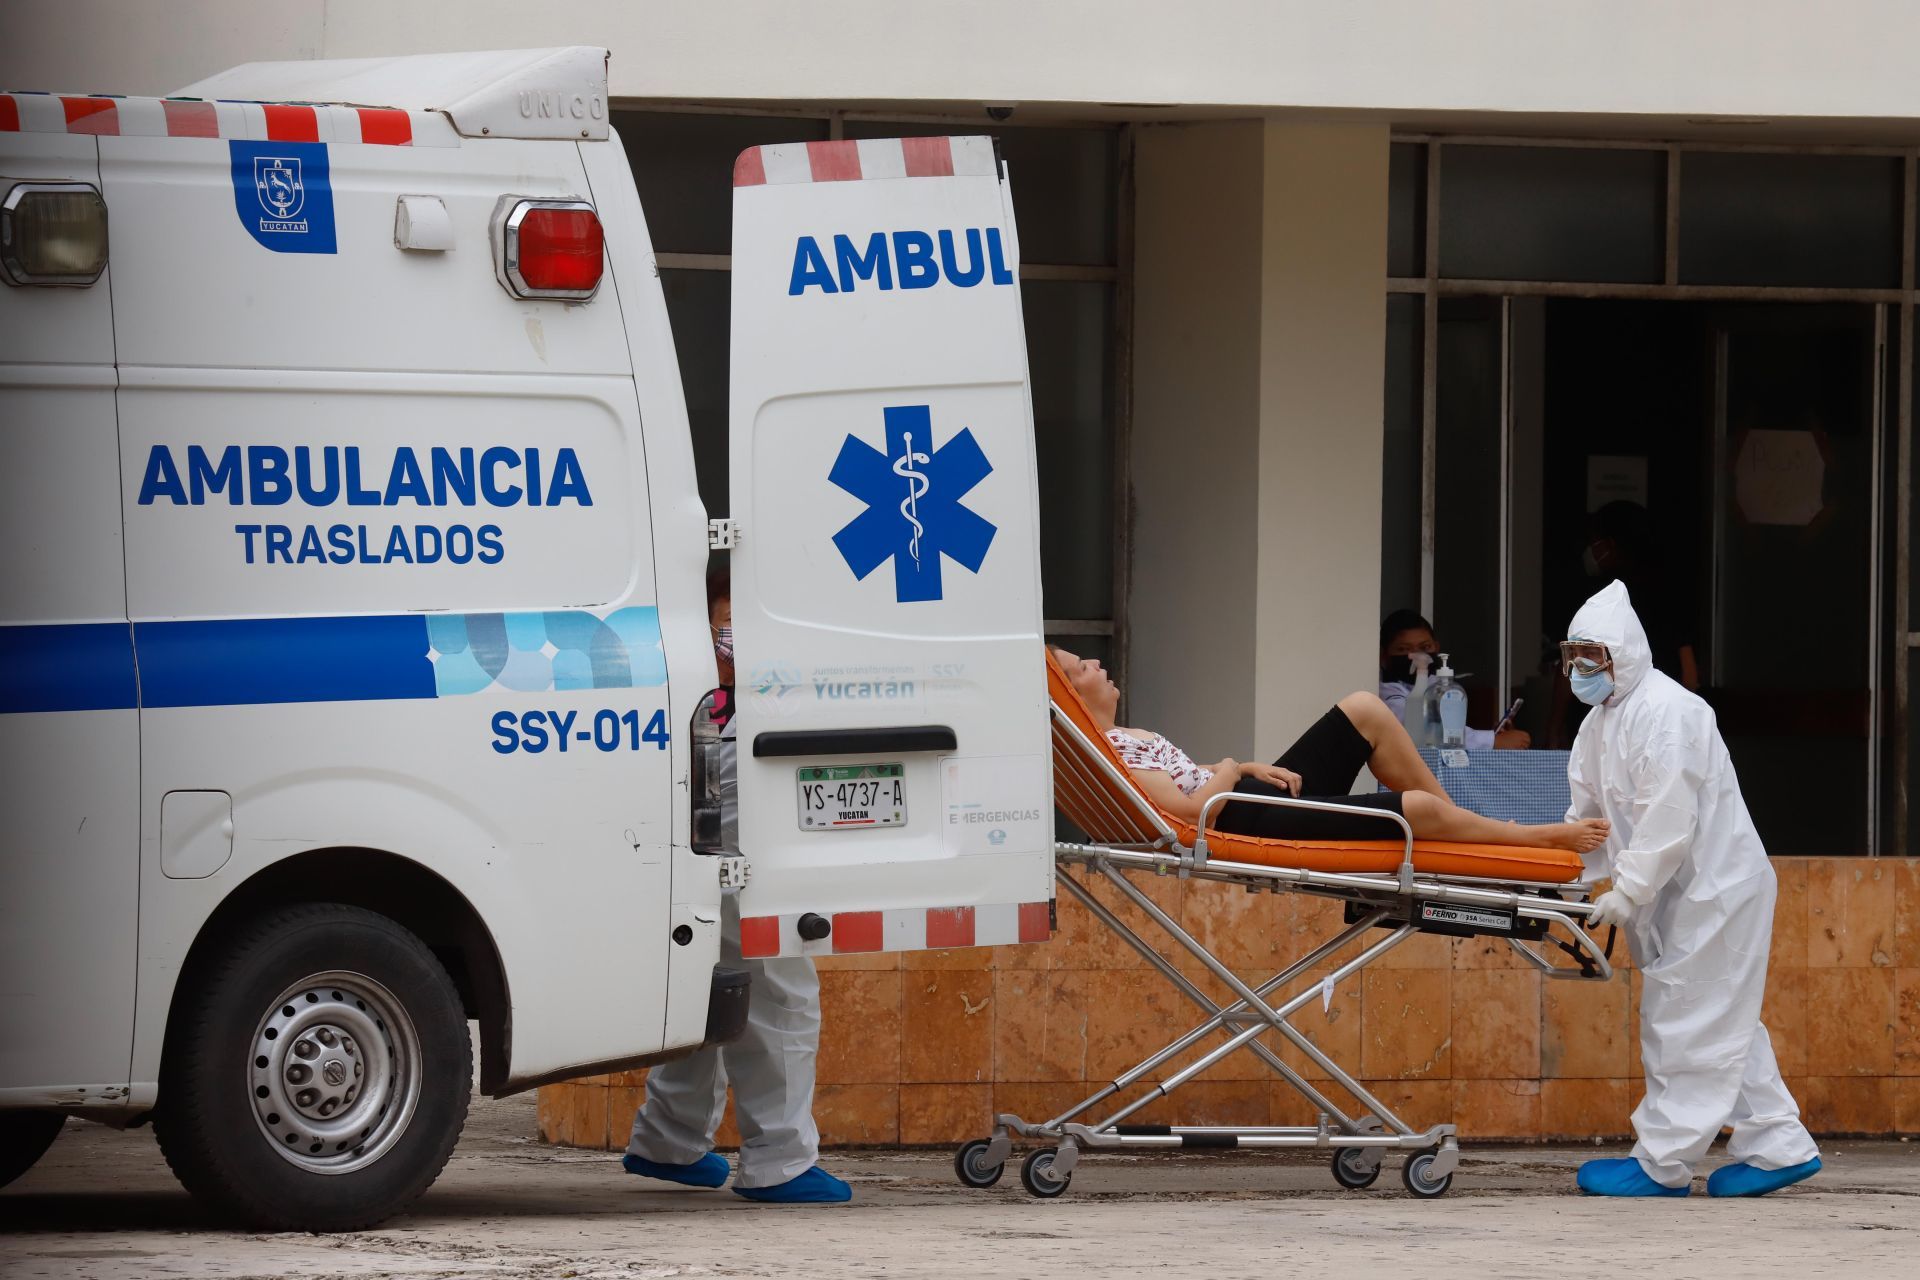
x: 1322, y: 765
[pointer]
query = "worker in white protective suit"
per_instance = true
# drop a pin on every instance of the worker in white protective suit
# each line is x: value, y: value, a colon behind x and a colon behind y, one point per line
x: 1694, y: 891
x: 770, y: 1066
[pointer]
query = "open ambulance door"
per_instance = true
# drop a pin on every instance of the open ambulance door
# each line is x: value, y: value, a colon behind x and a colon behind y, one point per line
x: 895, y: 780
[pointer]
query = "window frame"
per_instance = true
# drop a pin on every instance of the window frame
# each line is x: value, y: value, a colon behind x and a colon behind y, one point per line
x: 1431, y: 286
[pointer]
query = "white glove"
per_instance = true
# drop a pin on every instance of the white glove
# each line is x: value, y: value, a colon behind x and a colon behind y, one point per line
x: 1612, y: 907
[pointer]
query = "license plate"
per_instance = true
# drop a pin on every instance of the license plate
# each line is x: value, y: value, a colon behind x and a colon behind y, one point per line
x: 837, y: 797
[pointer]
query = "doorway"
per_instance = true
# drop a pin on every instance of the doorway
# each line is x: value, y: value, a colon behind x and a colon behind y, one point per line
x: 1730, y: 463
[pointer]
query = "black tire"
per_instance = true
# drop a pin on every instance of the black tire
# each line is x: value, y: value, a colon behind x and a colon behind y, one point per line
x: 1417, y: 1175
x: 1038, y: 1177
x: 24, y: 1138
x: 398, y: 1083
x: 1356, y: 1168
x: 969, y: 1165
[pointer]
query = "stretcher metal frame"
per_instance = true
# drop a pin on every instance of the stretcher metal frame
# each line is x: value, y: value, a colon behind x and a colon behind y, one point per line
x: 1140, y: 839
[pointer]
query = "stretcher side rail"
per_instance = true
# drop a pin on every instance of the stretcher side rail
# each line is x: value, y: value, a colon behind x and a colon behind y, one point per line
x: 1371, y: 888
x: 1204, y: 823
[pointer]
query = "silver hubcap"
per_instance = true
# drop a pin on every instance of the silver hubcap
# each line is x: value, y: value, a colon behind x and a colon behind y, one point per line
x: 335, y: 1072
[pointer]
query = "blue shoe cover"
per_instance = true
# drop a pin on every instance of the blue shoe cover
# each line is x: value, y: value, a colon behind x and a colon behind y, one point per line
x: 710, y: 1170
x: 1622, y: 1178
x: 1745, y: 1180
x: 815, y: 1186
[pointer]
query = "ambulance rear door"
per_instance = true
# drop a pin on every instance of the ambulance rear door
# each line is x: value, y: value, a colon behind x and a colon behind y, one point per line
x: 895, y: 782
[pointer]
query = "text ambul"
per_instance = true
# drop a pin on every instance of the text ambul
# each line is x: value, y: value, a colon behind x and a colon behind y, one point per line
x: 900, y: 259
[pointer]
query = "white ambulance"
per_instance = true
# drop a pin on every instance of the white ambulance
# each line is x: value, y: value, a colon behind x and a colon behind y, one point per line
x: 354, y: 649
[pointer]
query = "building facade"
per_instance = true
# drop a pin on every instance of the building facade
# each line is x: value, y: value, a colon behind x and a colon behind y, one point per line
x: 1335, y: 309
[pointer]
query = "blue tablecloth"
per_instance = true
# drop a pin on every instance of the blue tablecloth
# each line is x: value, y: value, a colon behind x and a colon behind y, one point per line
x: 1515, y: 786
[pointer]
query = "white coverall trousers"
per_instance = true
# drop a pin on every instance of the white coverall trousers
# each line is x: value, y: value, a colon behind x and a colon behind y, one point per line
x: 1716, y: 986
x: 770, y: 1067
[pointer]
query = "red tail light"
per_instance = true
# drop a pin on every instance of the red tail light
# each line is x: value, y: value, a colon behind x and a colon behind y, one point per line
x: 552, y: 249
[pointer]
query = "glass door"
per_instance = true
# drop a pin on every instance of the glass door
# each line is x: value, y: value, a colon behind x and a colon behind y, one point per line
x: 1793, y: 658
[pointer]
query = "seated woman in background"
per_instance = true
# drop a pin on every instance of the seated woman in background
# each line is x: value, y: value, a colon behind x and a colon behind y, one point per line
x: 1322, y: 765
x: 1404, y: 633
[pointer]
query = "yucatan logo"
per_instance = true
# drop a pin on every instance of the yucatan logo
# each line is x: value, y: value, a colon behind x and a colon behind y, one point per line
x: 914, y: 515
x: 283, y: 192
x: 276, y: 180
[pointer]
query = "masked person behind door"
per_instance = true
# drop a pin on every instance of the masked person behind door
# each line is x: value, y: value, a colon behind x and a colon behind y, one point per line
x: 1694, y: 890
x: 1406, y: 638
x: 770, y: 1066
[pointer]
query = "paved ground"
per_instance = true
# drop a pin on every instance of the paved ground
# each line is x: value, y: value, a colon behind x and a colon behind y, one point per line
x: 103, y: 1205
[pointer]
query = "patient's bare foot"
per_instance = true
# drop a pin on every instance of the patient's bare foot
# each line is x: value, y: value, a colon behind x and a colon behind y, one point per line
x: 1581, y: 837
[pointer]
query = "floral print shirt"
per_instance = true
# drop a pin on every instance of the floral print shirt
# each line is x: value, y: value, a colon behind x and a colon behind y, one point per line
x: 1159, y: 754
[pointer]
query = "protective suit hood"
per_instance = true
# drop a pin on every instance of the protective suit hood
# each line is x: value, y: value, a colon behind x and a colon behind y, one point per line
x: 1608, y: 618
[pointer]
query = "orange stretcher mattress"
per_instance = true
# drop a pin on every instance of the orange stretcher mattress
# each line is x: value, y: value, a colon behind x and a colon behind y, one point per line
x: 1433, y: 857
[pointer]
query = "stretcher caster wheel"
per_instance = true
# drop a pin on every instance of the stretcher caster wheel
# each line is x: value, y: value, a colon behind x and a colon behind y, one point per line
x: 1037, y: 1175
x: 971, y: 1167
x: 1418, y: 1175
x: 1356, y: 1168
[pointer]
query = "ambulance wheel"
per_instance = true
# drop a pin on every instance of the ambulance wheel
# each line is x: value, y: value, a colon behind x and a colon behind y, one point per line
x: 24, y: 1138
x: 1038, y: 1177
x: 1356, y: 1168
x: 1418, y: 1176
x: 971, y: 1167
x: 316, y: 1073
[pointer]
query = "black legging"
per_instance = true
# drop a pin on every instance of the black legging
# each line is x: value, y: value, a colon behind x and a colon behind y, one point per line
x: 1328, y: 757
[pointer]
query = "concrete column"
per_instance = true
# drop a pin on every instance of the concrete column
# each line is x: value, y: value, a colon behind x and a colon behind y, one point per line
x: 1315, y: 569
x: 1259, y: 341
x: 1196, y: 427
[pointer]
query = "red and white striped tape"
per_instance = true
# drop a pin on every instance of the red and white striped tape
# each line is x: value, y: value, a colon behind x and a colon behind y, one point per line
x: 856, y: 159
x: 194, y: 118
x: 916, y: 929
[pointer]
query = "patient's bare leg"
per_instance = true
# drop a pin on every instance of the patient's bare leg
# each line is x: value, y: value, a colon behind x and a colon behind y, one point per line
x: 1395, y: 760
x: 1441, y: 819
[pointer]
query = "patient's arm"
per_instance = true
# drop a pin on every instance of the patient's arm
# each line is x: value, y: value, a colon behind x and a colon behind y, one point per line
x: 1159, y: 788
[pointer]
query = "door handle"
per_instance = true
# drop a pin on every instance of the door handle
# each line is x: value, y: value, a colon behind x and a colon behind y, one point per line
x: 853, y: 742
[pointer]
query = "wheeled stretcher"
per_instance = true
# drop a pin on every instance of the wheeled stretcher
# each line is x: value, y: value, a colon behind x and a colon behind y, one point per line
x: 1392, y: 889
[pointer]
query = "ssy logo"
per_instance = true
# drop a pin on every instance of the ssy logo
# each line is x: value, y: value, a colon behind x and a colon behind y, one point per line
x: 276, y: 180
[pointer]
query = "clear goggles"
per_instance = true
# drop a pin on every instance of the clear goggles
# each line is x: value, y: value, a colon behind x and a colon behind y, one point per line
x: 1583, y: 657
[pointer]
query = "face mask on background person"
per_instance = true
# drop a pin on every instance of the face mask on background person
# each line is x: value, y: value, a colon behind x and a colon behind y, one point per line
x: 723, y: 643
x: 1397, y: 669
x: 1590, y: 562
x: 1591, y: 687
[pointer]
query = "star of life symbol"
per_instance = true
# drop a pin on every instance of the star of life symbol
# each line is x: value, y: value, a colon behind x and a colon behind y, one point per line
x: 276, y: 180
x: 912, y: 492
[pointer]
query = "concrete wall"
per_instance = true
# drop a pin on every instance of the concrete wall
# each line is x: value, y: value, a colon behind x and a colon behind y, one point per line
x: 927, y: 1048
x: 1775, y: 58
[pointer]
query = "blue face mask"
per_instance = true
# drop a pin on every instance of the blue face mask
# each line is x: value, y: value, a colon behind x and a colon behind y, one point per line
x: 1592, y: 688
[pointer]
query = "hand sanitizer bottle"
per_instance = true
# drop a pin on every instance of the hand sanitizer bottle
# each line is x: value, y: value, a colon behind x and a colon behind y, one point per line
x: 1452, y: 700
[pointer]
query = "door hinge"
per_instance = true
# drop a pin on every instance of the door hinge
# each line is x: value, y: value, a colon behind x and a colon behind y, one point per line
x: 734, y: 871
x: 722, y: 535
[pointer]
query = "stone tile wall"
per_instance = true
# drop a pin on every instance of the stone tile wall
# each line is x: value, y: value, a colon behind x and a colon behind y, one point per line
x: 925, y: 1048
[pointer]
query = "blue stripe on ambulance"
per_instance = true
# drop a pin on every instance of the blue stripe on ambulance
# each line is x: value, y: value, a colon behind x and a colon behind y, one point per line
x: 82, y: 666
x: 254, y: 661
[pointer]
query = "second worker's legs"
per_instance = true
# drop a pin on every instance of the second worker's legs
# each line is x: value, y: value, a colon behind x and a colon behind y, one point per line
x: 1767, y: 1131
x: 771, y: 1066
